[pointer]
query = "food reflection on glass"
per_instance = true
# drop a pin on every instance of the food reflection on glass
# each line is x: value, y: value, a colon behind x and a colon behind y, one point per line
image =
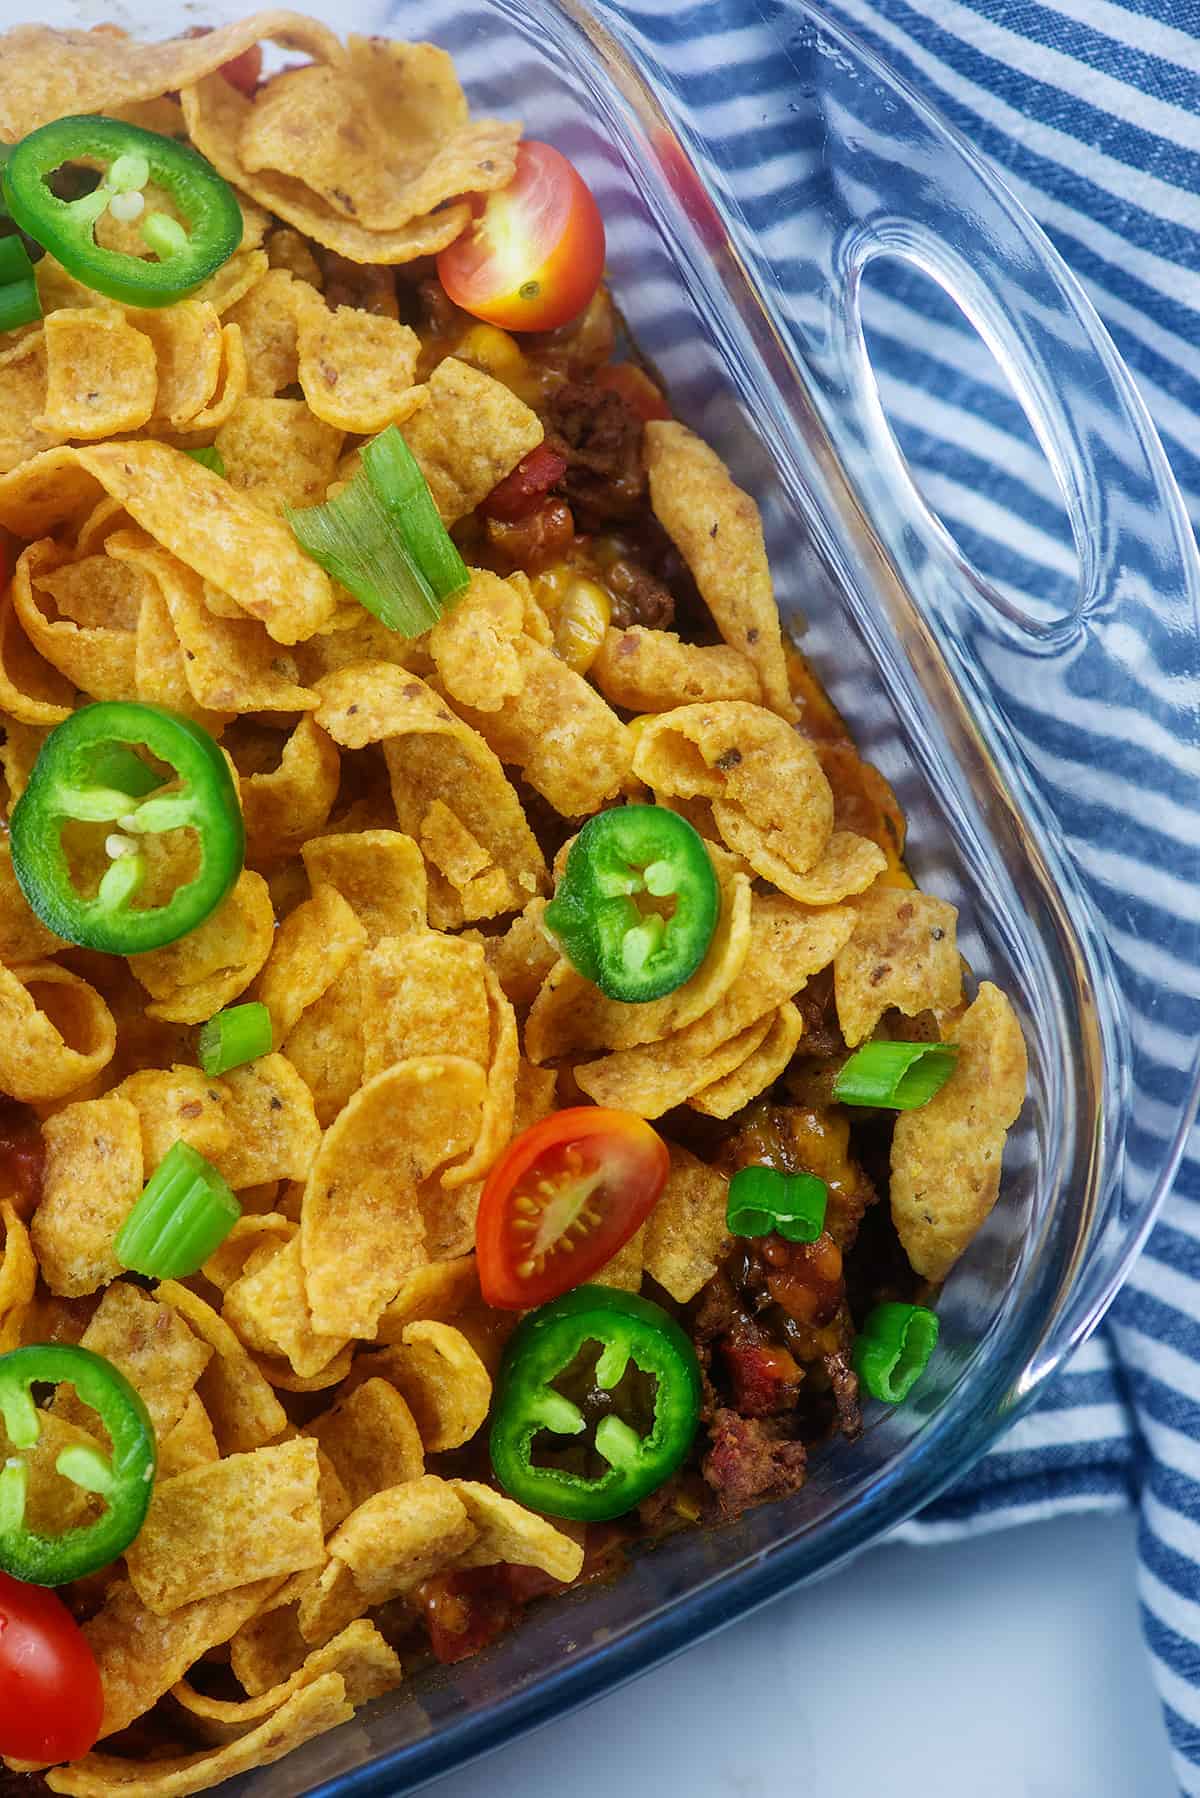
x: 481, y: 1087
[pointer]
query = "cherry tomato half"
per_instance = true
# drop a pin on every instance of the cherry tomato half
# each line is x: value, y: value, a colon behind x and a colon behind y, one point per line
x: 51, y: 1701
x: 534, y: 256
x: 567, y: 1195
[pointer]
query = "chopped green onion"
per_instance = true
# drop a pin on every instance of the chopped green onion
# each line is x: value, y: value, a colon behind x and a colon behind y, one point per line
x: 893, y: 1350
x: 20, y: 302
x: 897, y: 1076
x: 185, y: 1212
x: 208, y: 458
x: 763, y: 1201
x: 236, y: 1035
x: 381, y: 538
x: 394, y: 474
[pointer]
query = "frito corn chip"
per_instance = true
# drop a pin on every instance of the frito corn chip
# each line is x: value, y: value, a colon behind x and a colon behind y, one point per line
x: 160, y: 667
x: 93, y: 1175
x: 282, y: 1375
x: 22, y: 397
x: 312, y: 946
x: 326, y: 1047
x: 288, y: 250
x: 31, y: 691
x: 231, y: 665
x: 441, y: 1291
x: 445, y: 1384
x: 848, y: 865
x: 372, y: 1438
x: 357, y: 369
x: 20, y: 750
x: 186, y: 340
x: 359, y: 1654
x: 432, y: 755
x: 786, y: 947
x: 98, y: 660
x: 266, y: 318
x: 152, y: 1346
x: 379, y: 873
x: 571, y: 1014
x: 445, y: 1234
x: 49, y: 489
x: 227, y: 1523
x: 94, y: 590
x: 351, y: 636
x: 269, y: 1649
x: 480, y: 890
x: 212, y: 529
x: 401, y: 1536
x: 222, y: 291
x: 18, y: 1277
x: 624, y: 1270
x: 946, y: 1155
x: 655, y: 671
x: 23, y: 936
x: 569, y: 745
x: 685, y: 1230
x: 717, y: 530
x: 423, y: 995
x: 472, y: 644
x: 384, y: 137
x: 771, y: 800
x: 245, y: 1412
x: 274, y: 1129
x: 865, y: 803
x: 752, y: 1076
x: 508, y: 1532
x: 177, y: 1104
x: 101, y: 376
x: 250, y: 1236
x: 56, y: 1032
x: 268, y: 1309
x: 311, y: 1711
x: 101, y: 71
x: 469, y: 435
x: 361, y: 1225
x: 192, y: 979
x: 191, y: 1443
x: 278, y: 453
x: 523, y: 957
x: 903, y: 953
x: 167, y: 1646
x: 282, y: 809
x: 216, y: 115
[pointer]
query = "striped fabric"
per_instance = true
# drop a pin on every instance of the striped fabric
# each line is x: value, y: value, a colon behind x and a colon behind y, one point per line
x: 1092, y: 111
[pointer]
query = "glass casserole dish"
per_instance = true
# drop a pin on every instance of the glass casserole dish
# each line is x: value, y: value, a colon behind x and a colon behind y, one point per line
x: 992, y: 716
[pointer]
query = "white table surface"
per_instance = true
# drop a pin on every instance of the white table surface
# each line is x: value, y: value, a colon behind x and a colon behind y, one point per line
x: 1009, y: 1666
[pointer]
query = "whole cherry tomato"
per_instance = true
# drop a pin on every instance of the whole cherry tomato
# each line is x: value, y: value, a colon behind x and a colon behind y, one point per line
x: 51, y: 1700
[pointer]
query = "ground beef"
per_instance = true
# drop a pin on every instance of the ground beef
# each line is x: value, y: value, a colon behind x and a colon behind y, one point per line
x: 601, y: 438
x: 751, y: 1459
x: 437, y: 315
x: 638, y: 597
x: 365, y: 285
x: 843, y: 1383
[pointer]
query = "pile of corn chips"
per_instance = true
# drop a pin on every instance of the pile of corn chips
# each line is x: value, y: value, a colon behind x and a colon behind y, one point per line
x: 389, y: 916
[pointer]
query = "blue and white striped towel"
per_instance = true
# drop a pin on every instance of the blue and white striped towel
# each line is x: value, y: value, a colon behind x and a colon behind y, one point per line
x: 1092, y: 111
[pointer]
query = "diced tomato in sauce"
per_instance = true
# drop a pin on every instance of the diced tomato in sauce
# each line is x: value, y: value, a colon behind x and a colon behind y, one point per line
x: 521, y: 492
x: 763, y: 1378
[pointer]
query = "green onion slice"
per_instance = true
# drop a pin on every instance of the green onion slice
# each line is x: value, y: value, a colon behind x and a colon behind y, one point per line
x: 185, y: 1212
x: 20, y: 302
x: 236, y: 1035
x: 208, y: 458
x: 382, y: 538
x: 893, y: 1350
x: 763, y: 1201
x: 898, y: 1076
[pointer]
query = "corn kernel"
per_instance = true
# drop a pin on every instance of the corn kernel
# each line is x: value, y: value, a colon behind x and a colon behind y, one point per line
x: 551, y: 584
x: 582, y: 620
x: 488, y: 348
